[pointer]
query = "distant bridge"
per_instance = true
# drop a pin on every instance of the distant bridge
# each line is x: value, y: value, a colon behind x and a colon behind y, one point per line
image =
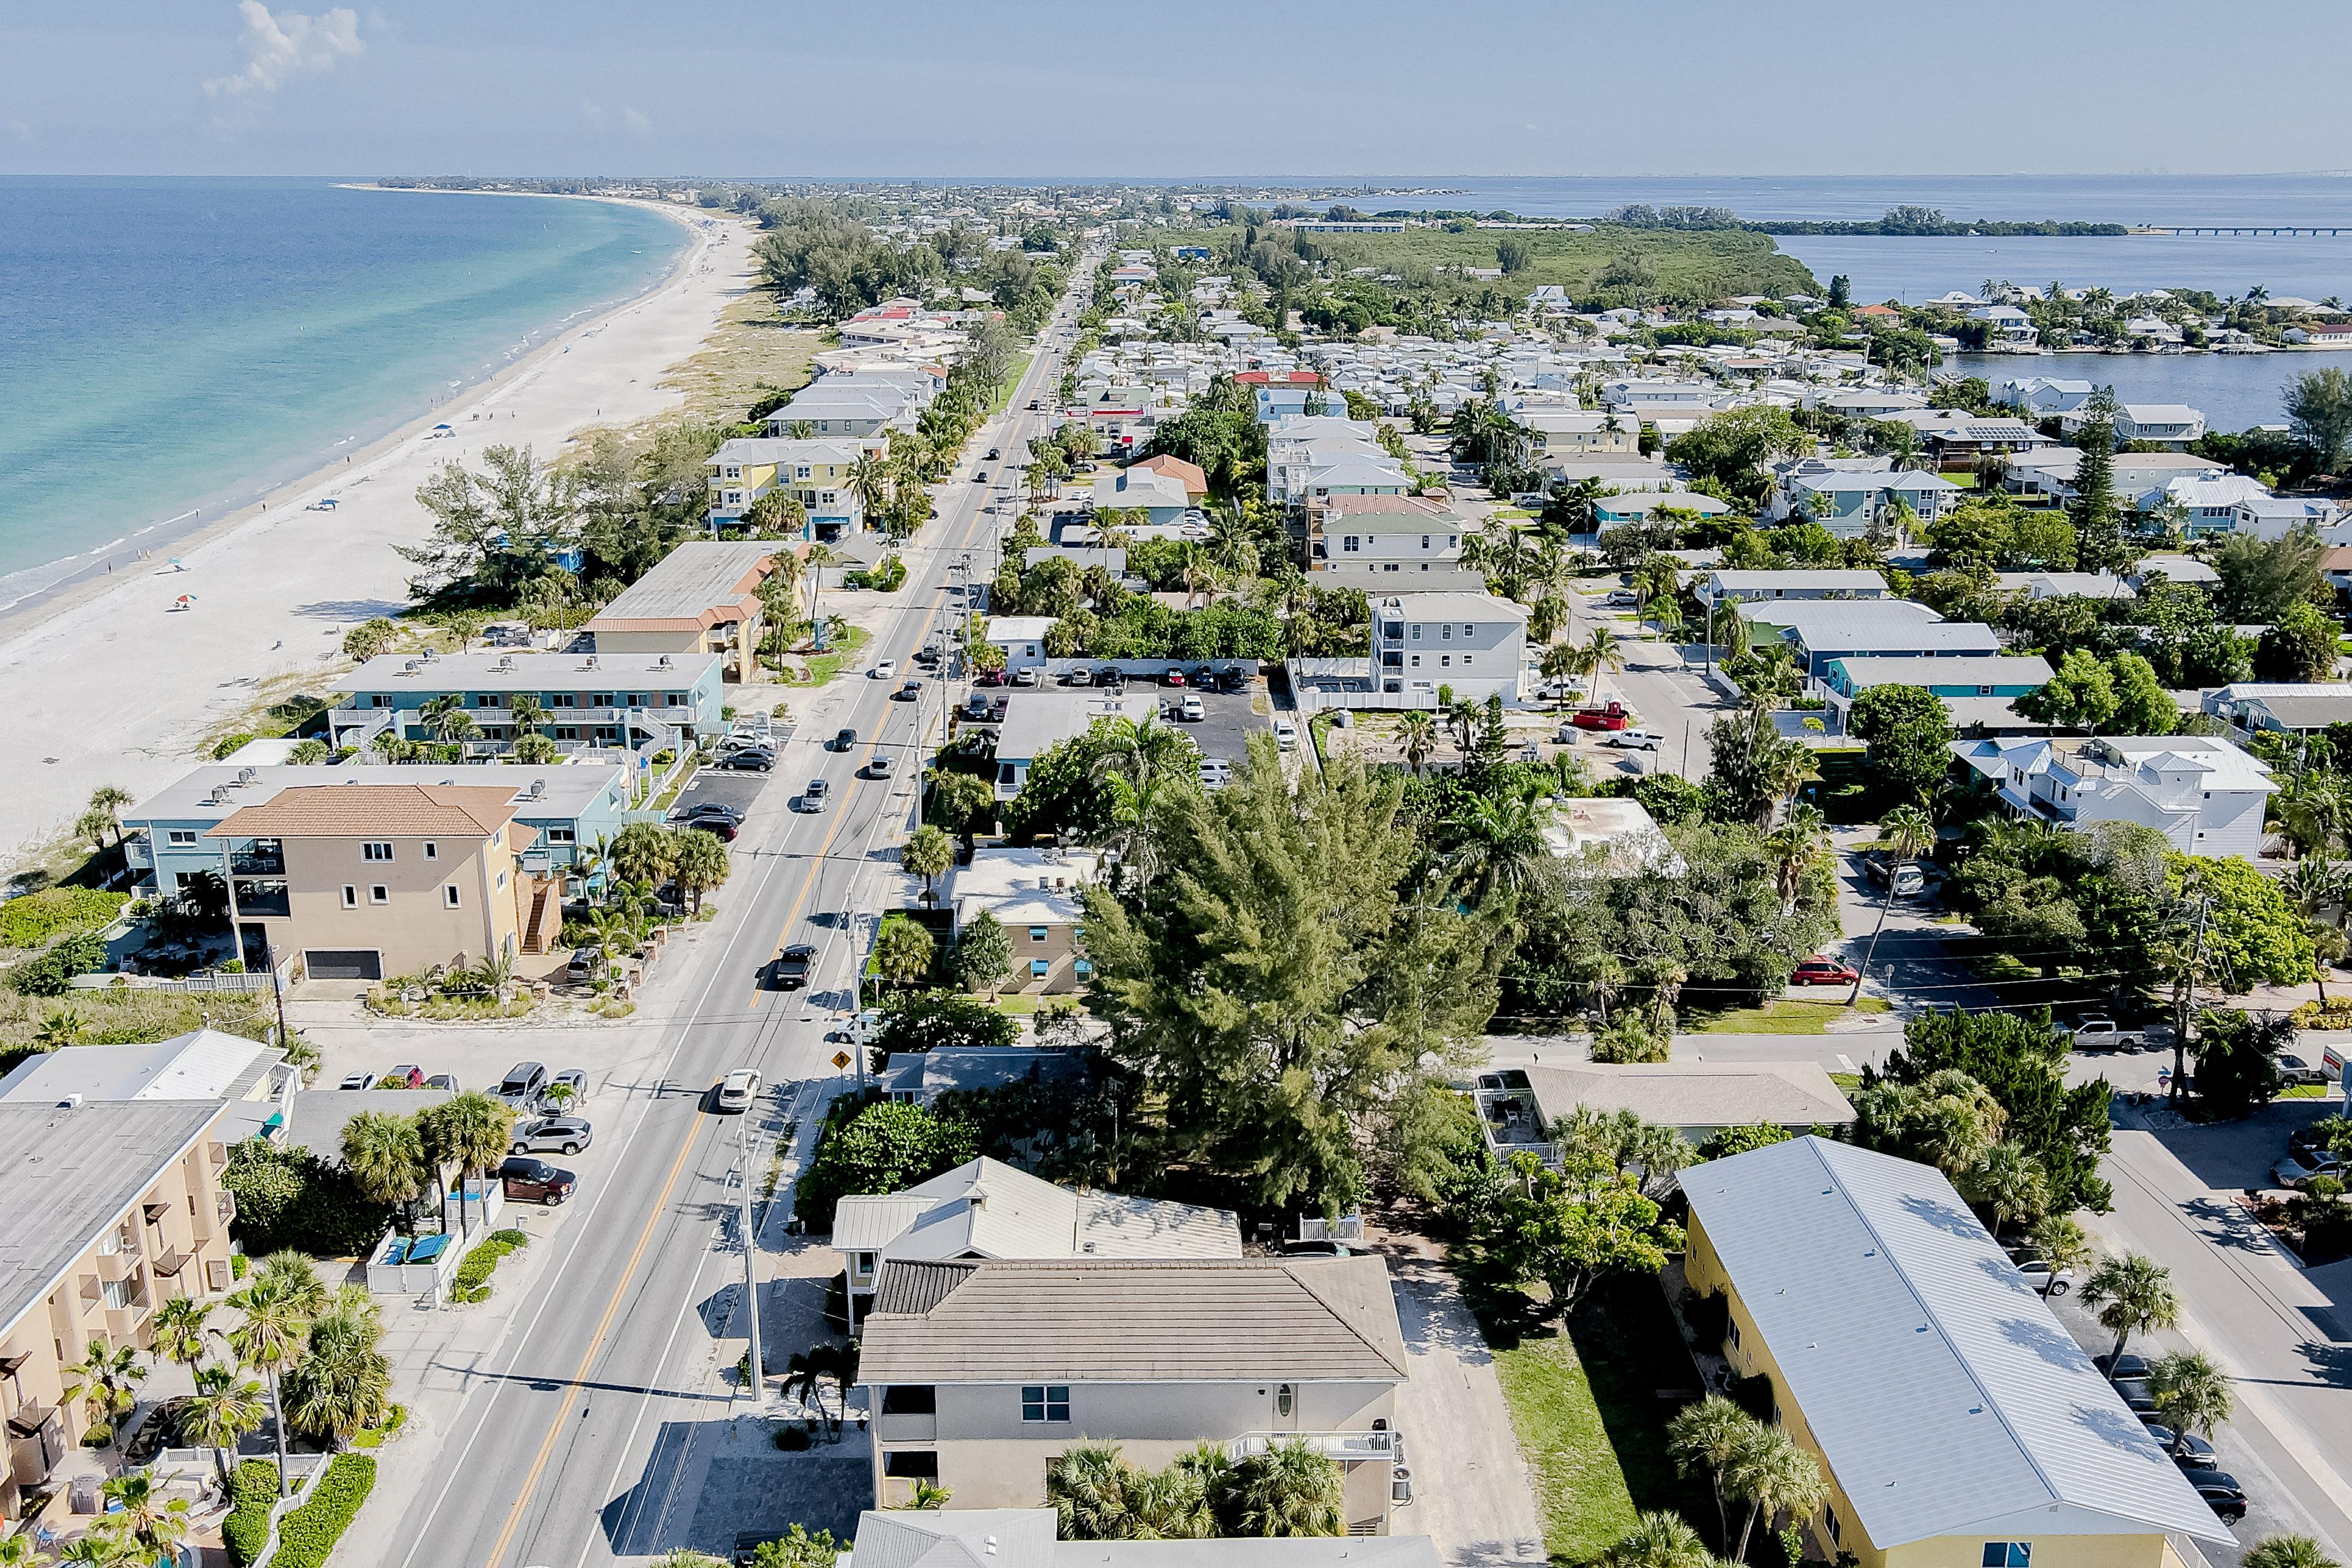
x: 2208, y: 228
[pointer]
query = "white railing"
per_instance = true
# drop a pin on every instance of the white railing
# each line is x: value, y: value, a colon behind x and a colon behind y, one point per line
x: 1341, y: 1445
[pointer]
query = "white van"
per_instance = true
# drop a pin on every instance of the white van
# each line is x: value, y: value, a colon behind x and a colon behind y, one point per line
x: 1285, y: 734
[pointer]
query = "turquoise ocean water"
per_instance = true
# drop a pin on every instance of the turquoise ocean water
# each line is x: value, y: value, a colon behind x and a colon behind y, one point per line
x: 171, y: 345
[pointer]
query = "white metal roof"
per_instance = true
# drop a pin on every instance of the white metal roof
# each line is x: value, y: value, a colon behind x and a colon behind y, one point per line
x: 1945, y: 1398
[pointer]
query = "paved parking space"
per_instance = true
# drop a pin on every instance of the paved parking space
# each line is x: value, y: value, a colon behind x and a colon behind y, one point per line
x: 739, y: 790
x: 1226, y: 723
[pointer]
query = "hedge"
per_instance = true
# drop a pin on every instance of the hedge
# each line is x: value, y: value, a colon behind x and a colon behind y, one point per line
x: 473, y: 1282
x: 292, y: 1197
x: 254, y: 1487
x: 309, y: 1533
x: 48, y: 976
x: 36, y: 918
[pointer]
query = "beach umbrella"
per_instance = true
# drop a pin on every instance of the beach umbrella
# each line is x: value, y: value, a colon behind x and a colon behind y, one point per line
x: 184, y: 601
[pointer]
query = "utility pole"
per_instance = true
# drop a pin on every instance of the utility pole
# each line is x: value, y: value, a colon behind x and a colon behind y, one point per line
x: 2186, y: 1003
x: 751, y: 1263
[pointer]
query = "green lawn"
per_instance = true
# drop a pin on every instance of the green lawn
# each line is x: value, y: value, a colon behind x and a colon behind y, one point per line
x: 823, y: 666
x: 1592, y: 1427
x: 1789, y: 1015
x: 2303, y: 1091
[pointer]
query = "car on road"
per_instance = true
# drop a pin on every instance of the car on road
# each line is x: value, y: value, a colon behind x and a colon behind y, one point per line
x: 2299, y: 1170
x: 1619, y: 596
x: 881, y: 766
x: 2097, y: 1032
x: 442, y: 1080
x: 1902, y: 878
x: 789, y: 969
x: 814, y: 798
x: 1034, y: 405
x: 564, y: 1091
x: 2196, y: 1454
x: 552, y: 1135
x: 980, y: 476
x: 1191, y: 710
x: 528, y: 1180
x: 747, y: 760
x: 994, y: 453
x: 842, y: 740
x: 1024, y: 678
x: 910, y: 691
x: 885, y: 670
x: 737, y: 1090
x: 357, y: 1080
x: 2220, y: 1492
x: 410, y: 1075
x: 522, y: 1083
x: 1636, y: 740
x: 1821, y: 970
x: 2295, y: 1070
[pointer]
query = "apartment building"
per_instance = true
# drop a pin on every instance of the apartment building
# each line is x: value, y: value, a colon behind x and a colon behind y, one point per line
x: 255, y: 1080
x: 111, y: 1207
x: 1373, y: 541
x: 1027, y: 1537
x: 815, y: 471
x: 1476, y: 643
x: 983, y: 1371
x: 703, y: 597
x: 846, y: 405
x: 1560, y: 432
x: 2204, y: 794
x: 366, y: 881
x: 620, y: 701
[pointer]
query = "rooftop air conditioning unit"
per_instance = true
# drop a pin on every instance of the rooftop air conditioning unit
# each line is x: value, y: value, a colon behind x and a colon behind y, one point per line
x: 245, y: 776
x: 537, y: 790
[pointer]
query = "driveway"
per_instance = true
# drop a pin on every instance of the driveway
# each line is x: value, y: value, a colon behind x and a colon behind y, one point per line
x: 1471, y: 1493
x: 1226, y: 720
x: 725, y: 786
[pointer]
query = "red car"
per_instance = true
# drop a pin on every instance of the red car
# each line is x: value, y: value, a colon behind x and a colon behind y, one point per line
x: 1175, y: 678
x: 1820, y: 971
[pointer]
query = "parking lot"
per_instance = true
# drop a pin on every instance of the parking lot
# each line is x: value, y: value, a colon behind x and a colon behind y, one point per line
x: 723, y: 786
x: 1226, y: 722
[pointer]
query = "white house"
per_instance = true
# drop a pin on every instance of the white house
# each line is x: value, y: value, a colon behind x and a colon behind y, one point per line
x: 1476, y: 643
x: 1738, y: 586
x: 2202, y: 792
x: 1021, y: 638
x: 1847, y: 495
x: 1037, y: 721
x: 1161, y: 496
x: 2173, y: 424
x: 2040, y: 397
x: 2009, y: 327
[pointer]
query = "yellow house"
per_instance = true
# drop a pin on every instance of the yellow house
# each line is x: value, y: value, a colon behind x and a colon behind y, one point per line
x: 1959, y: 1423
x: 817, y: 473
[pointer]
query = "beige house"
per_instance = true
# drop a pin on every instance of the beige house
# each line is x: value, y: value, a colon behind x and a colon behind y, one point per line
x: 366, y: 881
x: 1036, y: 895
x: 110, y: 1207
x: 981, y: 1372
x: 702, y: 597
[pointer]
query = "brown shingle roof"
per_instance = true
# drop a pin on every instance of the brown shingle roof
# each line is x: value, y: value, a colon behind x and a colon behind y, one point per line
x: 1301, y: 1320
x: 372, y: 811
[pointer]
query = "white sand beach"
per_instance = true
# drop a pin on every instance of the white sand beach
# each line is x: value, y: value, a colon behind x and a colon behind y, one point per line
x: 109, y: 685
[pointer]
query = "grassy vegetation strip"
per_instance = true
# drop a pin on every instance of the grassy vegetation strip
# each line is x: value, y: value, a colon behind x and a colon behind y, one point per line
x: 1580, y: 1485
x: 473, y: 1282
x: 1789, y: 1016
x: 309, y: 1533
x: 32, y: 920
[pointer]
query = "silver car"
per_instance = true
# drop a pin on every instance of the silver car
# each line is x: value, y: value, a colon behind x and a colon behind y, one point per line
x: 552, y: 1135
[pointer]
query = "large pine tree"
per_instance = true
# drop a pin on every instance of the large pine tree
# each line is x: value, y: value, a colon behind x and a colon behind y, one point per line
x: 2098, y: 523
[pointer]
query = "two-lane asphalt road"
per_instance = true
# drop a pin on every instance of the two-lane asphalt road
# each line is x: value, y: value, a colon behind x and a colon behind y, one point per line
x: 546, y: 1461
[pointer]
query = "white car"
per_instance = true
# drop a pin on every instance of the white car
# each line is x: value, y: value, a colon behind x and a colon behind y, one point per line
x: 1192, y: 709
x: 2098, y: 1032
x: 738, y: 1090
x: 1285, y: 734
x: 885, y: 670
x: 2296, y: 1170
x: 1636, y: 740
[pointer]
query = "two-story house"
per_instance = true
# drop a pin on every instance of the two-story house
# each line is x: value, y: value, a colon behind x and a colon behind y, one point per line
x: 2006, y: 326
x: 1849, y: 495
x: 366, y: 881
x: 816, y: 472
x: 610, y: 701
x: 2286, y: 708
x: 2202, y: 792
x: 2040, y: 397
x: 981, y: 1372
x: 1475, y: 643
x: 1162, y: 497
x: 1555, y: 432
x: 1037, y: 895
x: 2169, y: 424
x: 1299, y: 445
x: 702, y: 597
x: 1817, y: 631
x: 1393, y: 542
x: 110, y: 1208
x: 1738, y: 586
x: 845, y: 405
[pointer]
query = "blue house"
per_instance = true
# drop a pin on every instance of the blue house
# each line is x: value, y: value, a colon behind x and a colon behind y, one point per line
x: 626, y: 701
x: 2001, y: 676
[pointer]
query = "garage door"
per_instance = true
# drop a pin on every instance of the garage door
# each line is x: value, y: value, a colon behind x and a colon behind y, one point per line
x: 343, y: 963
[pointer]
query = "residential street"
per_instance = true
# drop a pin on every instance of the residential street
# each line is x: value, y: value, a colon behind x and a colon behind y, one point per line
x: 609, y: 1357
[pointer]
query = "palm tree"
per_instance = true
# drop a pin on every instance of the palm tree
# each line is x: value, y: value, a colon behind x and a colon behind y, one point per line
x: 1662, y: 1539
x: 1904, y: 833
x: 1602, y: 654
x: 2061, y: 1241
x: 61, y: 1026
x: 1502, y: 844
x: 928, y: 1497
x: 2010, y: 1182
x: 272, y: 1338
x: 105, y: 1546
x: 869, y: 480
x: 226, y: 1407
x: 1417, y: 736
x: 2134, y: 1294
x: 1708, y: 1436
x: 1170, y: 1504
x: 2191, y: 1393
x: 386, y: 1156
x: 1292, y: 1489
x: 805, y: 1375
x: 698, y: 863
x: 106, y: 1380
x: 928, y: 853
x: 1796, y: 848
x: 16, y: 1551
x: 1771, y: 1473
x: 2287, y: 1551
x: 155, y: 1523
x: 345, y: 1383
x: 903, y: 951
x: 819, y: 556
x: 1086, y: 1486
x: 179, y: 1329
x: 1150, y: 760
x: 108, y: 801
x: 472, y: 1130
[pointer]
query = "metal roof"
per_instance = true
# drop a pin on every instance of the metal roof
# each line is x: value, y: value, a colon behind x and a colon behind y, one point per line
x: 1695, y: 1093
x: 1025, y: 1538
x: 699, y: 583
x: 564, y: 789
x: 1944, y: 1395
x: 203, y: 1064
x: 985, y: 1208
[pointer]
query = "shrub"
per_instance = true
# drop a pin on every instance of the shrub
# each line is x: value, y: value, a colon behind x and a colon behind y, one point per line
x: 33, y: 919
x: 309, y: 1533
x: 50, y: 974
x: 793, y: 1440
x: 253, y: 1491
x: 291, y: 1197
x: 473, y: 1282
x: 884, y: 1148
x: 99, y: 1435
x: 229, y: 744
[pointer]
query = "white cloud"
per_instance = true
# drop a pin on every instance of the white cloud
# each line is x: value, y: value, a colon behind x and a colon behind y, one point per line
x: 636, y: 121
x: 287, y: 43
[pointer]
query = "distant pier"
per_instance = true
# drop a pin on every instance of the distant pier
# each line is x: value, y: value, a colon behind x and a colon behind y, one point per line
x: 2291, y: 229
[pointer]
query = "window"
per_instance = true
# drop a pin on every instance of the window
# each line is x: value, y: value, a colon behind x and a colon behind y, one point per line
x: 182, y: 837
x: 561, y: 835
x: 1045, y: 1401
x: 1445, y: 661
x: 1446, y: 634
x: 911, y: 1465
x: 1037, y: 934
x: 1417, y: 661
x: 1424, y: 542
x: 374, y: 850
x: 432, y: 851
x: 1285, y: 1400
x: 1038, y: 968
x: 910, y: 1399
x: 449, y: 896
x: 379, y: 894
x: 1830, y: 1522
x: 350, y: 896
x: 1348, y: 542
x: 1082, y: 968
x: 1734, y: 1332
x: 1469, y: 631
x: 2007, y: 1554
x: 118, y: 1293
x: 1416, y: 634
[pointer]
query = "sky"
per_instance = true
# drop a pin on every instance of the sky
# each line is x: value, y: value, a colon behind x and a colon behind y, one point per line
x: 1040, y: 89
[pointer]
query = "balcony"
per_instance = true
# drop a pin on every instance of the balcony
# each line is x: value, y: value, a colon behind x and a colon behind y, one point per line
x: 139, y: 852
x: 264, y: 898
x: 1345, y: 1446
x: 257, y: 860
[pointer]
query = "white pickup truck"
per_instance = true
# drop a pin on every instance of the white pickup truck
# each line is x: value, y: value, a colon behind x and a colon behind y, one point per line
x: 2098, y: 1032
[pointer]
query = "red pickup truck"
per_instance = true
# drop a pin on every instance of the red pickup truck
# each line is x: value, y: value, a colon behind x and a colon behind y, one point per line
x: 1613, y: 716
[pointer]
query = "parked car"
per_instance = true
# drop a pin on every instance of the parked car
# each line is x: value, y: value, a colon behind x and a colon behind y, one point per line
x: 2195, y: 1454
x: 881, y: 765
x: 1636, y: 740
x: 527, y: 1180
x: 576, y: 1087
x: 1819, y: 970
x: 748, y: 759
x: 814, y: 797
x: 989, y: 678
x: 409, y: 1074
x: 2297, y: 1170
x: 357, y: 1080
x: 885, y: 670
x: 2051, y: 1282
x: 1619, y: 596
x: 1231, y: 679
x: 2126, y: 1365
x: 443, y: 1080
x: 2136, y: 1395
x: 2295, y: 1069
x: 1316, y: 1250
x: 2313, y: 1134
x: 1903, y: 879
x: 1285, y: 734
x: 1217, y: 772
x: 910, y: 691
x: 842, y: 739
x: 1024, y: 678
x: 789, y: 969
x: 2220, y: 1492
x: 737, y: 1089
x: 522, y: 1083
x: 2097, y: 1032
x: 1172, y: 677
x: 1077, y: 677
x: 1192, y: 710
x: 552, y: 1135
x: 711, y: 810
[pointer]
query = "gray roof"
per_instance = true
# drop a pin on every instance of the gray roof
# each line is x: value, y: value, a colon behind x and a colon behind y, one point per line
x: 68, y: 1174
x: 1695, y: 1093
x: 1945, y: 1396
x: 700, y: 575
x: 316, y: 1119
x: 1988, y: 669
x: 951, y: 1069
x: 396, y: 672
x: 2305, y: 710
x: 1301, y: 1320
x: 1025, y: 1538
x: 985, y: 1208
x: 203, y: 1064
x: 566, y: 789
x: 1036, y: 722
